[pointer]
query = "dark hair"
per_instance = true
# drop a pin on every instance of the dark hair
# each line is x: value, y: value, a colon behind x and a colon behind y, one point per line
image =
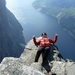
x: 44, y: 34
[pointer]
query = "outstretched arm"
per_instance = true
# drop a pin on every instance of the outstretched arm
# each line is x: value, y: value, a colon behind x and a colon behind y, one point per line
x: 36, y: 42
x: 55, y: 39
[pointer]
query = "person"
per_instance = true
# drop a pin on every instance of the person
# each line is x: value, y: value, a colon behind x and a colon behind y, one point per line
x: 44, y: 46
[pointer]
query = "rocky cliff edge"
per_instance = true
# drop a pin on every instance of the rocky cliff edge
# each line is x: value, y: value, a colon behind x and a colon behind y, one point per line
x: 25, y: 65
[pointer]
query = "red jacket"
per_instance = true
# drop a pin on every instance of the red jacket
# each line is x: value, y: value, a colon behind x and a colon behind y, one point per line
x: 45, y: 41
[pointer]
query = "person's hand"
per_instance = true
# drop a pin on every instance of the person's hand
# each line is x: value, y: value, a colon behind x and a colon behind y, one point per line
x: 34, y: 36
x: 56, y: 34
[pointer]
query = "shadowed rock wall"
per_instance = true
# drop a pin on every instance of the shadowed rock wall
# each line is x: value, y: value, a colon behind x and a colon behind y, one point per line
x: 11, y: 37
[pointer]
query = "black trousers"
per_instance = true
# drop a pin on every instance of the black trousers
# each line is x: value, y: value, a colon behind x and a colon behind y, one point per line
x: 44, y: 50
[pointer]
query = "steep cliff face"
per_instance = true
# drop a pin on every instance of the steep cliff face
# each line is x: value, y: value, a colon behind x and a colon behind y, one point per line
x: 64, y: 11
x: 11, y: 36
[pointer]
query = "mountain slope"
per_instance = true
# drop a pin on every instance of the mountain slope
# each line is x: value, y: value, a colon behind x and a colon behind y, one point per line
x: 64, y: 11
x: 11, y: 36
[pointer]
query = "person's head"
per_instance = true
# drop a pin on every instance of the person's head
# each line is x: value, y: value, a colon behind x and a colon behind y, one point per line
x: 44, y: 35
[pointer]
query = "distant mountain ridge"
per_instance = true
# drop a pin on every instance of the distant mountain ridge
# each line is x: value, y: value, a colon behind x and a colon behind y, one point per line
x: 63, y: 10
x: 11, y: 36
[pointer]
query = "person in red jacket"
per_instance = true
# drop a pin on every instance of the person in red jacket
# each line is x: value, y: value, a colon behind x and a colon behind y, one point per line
x: 44, y: 46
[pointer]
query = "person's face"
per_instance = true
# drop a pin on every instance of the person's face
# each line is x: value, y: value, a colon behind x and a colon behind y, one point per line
x: 44, y: 35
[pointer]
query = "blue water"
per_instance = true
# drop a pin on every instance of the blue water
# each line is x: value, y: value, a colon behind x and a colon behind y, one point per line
x: 35, y: 23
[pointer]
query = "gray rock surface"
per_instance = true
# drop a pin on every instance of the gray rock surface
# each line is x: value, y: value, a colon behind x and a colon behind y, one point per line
x: 55, y: 60
x: 11, y: 36
x: 16, y: 66
x: 25, y: 65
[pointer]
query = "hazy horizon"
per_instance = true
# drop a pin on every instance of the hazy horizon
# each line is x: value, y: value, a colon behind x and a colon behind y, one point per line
x: 12, y: 5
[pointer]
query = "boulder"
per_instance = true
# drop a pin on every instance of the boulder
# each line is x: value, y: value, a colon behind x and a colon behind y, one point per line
x: 70, y: 68
x: 16, y: 66
x: 58, y: 68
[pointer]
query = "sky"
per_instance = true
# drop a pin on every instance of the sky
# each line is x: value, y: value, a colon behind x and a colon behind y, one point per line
x: 14, y: 3
x: 16, y: 6
x: 11, y: 3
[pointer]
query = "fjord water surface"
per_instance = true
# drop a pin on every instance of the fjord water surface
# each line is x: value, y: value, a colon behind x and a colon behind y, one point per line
x: 35, y: 23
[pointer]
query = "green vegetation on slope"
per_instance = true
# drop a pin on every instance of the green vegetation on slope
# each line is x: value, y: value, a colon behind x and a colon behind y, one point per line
x: 63, y: 10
